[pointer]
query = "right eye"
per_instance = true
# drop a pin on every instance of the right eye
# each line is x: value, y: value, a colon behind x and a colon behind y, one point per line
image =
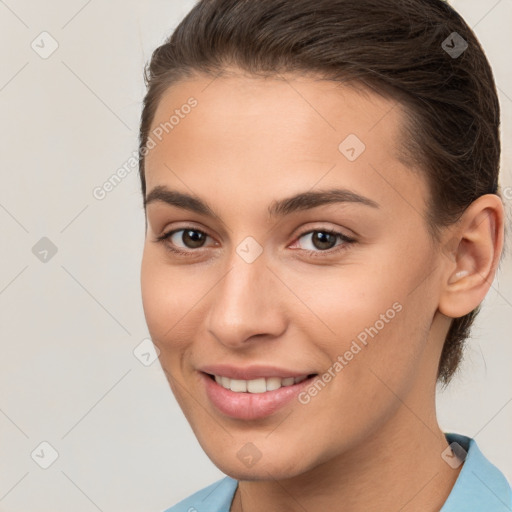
x: 183, y: 241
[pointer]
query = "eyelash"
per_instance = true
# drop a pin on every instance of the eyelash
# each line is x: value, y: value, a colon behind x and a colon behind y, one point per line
x: 347, y: 241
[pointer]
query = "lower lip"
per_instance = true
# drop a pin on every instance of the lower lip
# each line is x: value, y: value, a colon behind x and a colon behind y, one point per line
x: 250, y: 406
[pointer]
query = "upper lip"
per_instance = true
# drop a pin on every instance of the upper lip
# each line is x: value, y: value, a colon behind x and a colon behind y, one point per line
x: 250, y: 372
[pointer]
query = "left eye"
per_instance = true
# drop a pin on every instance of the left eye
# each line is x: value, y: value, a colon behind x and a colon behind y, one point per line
x: 323, y: 240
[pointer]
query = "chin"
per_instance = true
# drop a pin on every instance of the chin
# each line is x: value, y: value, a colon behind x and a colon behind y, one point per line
x: 270, y: 467
x: 258, y: 473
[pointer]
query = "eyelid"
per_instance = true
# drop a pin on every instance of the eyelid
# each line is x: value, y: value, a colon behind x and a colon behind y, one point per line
x: 329, y: 231
x: 325, y: 228
x: 186, y: 226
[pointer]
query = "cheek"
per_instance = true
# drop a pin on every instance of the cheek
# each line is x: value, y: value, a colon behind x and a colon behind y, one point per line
x: 372, y: 317
x: 167, y: 300
x: 342, y: 304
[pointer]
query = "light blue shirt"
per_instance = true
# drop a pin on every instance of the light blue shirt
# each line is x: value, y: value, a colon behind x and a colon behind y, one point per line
x: 480, y: 487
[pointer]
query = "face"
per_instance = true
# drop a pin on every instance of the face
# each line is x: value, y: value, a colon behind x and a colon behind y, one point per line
x: 302, y: 252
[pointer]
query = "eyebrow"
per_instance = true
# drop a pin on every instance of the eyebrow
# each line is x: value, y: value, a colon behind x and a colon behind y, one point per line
x: 279, y: 208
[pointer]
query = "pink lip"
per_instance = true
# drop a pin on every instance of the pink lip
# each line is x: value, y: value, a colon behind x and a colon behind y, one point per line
x: 250, y: 406
x: 251, y: 372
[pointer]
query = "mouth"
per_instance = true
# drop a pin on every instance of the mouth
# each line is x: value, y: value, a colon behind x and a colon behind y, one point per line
x: 260, y: 385
x: 253, y: 399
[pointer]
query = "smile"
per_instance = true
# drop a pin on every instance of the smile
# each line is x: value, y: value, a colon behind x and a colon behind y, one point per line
x: 251, y: 399
x: 260, y: 385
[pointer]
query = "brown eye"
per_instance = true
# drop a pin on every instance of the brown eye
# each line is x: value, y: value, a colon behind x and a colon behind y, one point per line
x: 188, y: 238
x: 322, y: 240
x: 185, y: 242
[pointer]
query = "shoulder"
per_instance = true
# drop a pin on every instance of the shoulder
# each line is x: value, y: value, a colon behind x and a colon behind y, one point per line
x: 480, y: 486
x: 216, y: 497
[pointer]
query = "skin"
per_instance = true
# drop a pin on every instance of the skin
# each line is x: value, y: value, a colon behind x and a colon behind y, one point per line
x: 370, y: 439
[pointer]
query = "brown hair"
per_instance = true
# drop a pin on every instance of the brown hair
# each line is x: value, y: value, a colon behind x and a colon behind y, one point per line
x: 399, y: 48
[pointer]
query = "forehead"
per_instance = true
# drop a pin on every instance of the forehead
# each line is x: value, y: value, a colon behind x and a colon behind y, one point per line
x: 285, y: 99
x: 280, y: 132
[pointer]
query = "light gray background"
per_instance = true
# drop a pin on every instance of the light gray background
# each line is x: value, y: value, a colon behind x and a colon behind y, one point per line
x: 68, y: 374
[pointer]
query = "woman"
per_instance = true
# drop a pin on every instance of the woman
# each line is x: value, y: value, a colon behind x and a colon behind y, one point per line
x: 320, y: 183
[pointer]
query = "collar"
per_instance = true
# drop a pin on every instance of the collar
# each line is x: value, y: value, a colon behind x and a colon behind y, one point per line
x: 480, y: 486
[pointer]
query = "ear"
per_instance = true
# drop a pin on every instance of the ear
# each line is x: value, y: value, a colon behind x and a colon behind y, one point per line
x: 473, y: 251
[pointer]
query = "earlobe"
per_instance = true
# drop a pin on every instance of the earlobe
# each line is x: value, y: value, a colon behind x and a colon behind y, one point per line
x: 477, y: 243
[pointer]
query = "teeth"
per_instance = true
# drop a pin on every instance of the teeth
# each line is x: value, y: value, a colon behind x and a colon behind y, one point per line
x: 273, y: 383
x: 256, y: 385
x: 260, y: 385
x: 240, y: 386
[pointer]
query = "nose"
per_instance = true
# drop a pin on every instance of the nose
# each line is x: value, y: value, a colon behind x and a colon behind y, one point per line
x: 247, y: 304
